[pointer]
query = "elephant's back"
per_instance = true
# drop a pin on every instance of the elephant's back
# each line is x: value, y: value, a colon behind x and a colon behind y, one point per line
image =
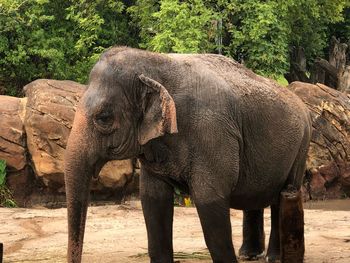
x: 235, y: 74
x: 240, y: 79
x: 251, y: 91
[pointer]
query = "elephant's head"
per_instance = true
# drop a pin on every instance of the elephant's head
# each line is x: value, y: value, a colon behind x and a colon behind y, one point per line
x: 122, y: 109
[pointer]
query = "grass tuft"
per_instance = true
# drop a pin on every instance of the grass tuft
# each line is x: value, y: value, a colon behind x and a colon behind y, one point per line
x: 6, y: 197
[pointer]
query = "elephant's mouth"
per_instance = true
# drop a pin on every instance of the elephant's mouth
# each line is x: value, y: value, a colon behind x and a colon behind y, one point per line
x: 118, y: 153
x: 97, y: 169
x: 114, y: 153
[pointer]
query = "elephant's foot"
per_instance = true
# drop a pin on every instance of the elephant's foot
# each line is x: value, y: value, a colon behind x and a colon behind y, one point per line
x: 163, y: 260
x: 273, y: 257
x: 250, y: 253
x: 273, y: 251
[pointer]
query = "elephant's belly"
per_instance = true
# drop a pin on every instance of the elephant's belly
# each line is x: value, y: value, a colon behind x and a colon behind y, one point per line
x: 257, y: 192
x: 252, y: 202
x: 262, y: 177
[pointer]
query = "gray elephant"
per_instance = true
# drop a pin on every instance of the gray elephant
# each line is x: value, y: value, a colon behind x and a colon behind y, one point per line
x: 202, y: 123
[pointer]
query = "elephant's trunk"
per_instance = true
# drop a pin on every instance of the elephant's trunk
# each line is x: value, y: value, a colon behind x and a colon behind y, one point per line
x: 78, y: 173
x: 77, y: 192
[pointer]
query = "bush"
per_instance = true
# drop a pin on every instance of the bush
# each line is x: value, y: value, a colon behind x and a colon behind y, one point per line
x: 56, y: 39
x: 6, y: 197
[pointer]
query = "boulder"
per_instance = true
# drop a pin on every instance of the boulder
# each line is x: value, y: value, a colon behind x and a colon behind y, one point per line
x: 13, y: 147
x: 49, y: 116
x: 115, y: 174
x: 12, y: 134
x: 329, y: 153
x: 50, y: 112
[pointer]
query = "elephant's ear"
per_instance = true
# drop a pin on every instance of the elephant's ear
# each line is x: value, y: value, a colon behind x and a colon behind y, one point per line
x: 159, y: 112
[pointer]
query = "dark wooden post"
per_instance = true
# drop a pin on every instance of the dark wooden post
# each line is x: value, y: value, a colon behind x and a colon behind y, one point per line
x: 291, y: 227
x: 1, y: 252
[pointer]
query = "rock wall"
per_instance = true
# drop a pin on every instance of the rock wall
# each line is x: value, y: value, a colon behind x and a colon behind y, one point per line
x: 12, y: 134
x: 13, y: 147
x: 33, y: 138
x: 34, y: 132
x: 328, y: 164
x: 49, y: 115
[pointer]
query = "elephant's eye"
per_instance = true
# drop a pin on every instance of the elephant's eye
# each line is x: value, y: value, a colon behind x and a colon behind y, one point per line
x: 105, y: 121
x: 104, y: 118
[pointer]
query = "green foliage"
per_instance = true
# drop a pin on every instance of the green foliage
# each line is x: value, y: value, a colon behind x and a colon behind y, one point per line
x: 341, y: 29
x: 6, y: 198
x: 310, y: 21
x: 97, y: 25
x: 174, y: 26
x: 281, y: 80
x: 30, y: 51
x: 57, y: 39
x: 181, y: 198
x: 259, y: 35
x: 2, y: 172
x: 63, y: 39
x: 141, y: 18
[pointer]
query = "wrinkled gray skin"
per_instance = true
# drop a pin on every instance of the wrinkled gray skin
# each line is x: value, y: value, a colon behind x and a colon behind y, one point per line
x: 202, y: 123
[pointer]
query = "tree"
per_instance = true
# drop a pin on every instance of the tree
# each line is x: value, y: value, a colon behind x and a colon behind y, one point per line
x: 63, y: 39
x: 317, y: 56
x: 310, y: 21
x: 258, y: 34
x: 175, y: 26
x: 262, y: 33
x: 55, y: 39
x: 25, y: 51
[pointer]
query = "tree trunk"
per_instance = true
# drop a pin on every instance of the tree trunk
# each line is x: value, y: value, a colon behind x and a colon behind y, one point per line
x: 297, y: 71
x: 333, y: 73
x: 318, y: 75
x: 337, y: 54
x: 344, y: 80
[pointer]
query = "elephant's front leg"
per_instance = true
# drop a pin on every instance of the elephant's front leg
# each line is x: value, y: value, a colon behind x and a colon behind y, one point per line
x: 157, y: 198
x: 214, y: 214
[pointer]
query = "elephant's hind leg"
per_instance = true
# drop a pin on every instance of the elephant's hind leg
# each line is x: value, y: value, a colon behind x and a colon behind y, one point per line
x: 253, y: 234
x: 273, y: 250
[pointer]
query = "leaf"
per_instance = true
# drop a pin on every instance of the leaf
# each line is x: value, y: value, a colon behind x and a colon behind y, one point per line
x: 2, y: 172
x: 177, y: 191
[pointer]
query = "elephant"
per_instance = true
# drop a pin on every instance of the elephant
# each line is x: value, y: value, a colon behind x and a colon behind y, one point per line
x: 202, y: 123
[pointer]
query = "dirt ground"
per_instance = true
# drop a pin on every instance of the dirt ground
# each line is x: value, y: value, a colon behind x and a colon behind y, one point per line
x: 116, y: 233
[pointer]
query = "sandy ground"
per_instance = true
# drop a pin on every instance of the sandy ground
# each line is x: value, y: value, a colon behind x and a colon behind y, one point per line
x: 116, y: 233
